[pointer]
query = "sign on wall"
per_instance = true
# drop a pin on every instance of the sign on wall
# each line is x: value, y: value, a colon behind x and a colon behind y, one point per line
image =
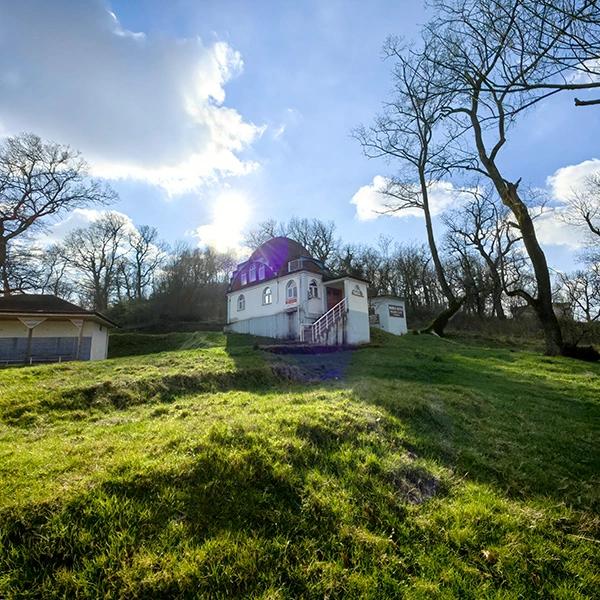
x: 396, y: 311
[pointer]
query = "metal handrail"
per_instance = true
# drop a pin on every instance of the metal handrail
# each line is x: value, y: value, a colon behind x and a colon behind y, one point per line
x: 325, y: 322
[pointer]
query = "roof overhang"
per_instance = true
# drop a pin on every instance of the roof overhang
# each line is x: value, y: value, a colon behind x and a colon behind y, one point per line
x: 90, y: 316
x: 343, y: 277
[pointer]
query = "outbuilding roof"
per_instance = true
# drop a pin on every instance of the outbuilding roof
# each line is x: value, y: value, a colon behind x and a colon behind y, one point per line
x: 45, y: 304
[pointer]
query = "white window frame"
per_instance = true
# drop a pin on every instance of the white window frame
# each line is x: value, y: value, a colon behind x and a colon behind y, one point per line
x: 313, y: 289
x: 252, y: 274
x: 241, y: 303
x: 267, y: 295
x: 291, y: 290
x: 244, y: 278
x: 261, y: 272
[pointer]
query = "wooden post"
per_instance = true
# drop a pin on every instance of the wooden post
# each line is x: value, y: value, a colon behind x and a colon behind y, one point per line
x: 28, y: 352
x: 79, y: 324
x: 31, y: 324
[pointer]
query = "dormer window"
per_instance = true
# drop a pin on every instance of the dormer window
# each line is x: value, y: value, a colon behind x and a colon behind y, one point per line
x: 252, y: 273
x: 313, y: 289
x: 261, y: 272
x: 244, y: 278
x: 294, y: 265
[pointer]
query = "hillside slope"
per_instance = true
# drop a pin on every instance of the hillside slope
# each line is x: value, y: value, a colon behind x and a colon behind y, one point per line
x: 193, y: 465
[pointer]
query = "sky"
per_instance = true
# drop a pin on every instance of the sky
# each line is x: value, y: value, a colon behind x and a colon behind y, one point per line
x: 208, y: 117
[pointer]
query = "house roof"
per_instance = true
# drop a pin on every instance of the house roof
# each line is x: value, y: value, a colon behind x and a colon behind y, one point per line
x: 386, y: 297
x: 331, y: 277
x: 46, y: 304
x: 275, y: 254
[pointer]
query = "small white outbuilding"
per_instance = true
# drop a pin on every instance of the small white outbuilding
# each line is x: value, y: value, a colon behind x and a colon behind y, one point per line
x: 388, y: 313
x: 45, y: 328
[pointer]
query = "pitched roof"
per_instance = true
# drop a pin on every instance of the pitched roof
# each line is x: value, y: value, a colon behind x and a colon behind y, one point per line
x: 40, y: 304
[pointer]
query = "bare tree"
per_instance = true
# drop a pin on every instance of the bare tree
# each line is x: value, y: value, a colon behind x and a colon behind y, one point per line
x: 483, y: 224
x: 39, y: 180
x: 263, y: 232
x: 582, y: 291
x: 21, y: 269
x: 54, y: 275
x: 406, y: 133
x: 143, y: 256
x: 497, y: 58
x: 94, y: 253
x: 317, y: 236
x: 583, y: 208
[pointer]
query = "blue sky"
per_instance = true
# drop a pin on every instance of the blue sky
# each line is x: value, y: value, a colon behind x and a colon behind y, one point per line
x: 210, y: 116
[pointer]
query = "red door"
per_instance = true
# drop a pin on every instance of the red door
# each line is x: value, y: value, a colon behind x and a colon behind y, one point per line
x: 334, y: 295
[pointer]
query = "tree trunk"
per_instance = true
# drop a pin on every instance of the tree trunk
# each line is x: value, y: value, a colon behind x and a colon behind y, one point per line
x: 3, y: 266
x: 497, y: 303
x: 438, y: 325
x: 509, y: 195
x: 542, y: 304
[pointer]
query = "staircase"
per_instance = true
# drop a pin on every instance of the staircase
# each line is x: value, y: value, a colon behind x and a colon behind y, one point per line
x: 319, y: 330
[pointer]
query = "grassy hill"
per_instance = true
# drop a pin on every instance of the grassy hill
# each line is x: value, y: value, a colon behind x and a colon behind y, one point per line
x: 193, y: 465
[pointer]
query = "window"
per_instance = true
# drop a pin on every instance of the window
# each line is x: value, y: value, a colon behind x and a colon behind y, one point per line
x: 252, y: 273
x: 261, y: 272
x: 313, y: 289
x: 291, y: 292
x: 241, y: 302
x: 267, y: 296
x: 295, y: 265
x: 244, y: 279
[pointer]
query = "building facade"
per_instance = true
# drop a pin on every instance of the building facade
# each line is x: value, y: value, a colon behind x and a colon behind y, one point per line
x: 282, y: 292
x: 44, y: 328
x: 389, y: 313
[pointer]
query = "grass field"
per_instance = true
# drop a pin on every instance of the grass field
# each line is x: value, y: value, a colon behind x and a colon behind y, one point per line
x: 193, y: 465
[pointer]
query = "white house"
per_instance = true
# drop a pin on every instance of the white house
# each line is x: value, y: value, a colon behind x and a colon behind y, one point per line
x: 282, y: 292
x: 389, y: 313
x: 45, y: 328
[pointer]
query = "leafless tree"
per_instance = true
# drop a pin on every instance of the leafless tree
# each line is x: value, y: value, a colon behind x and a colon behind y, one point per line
x: 482, y: 224
x: 94, y: 253
x: 54, y: 274
x: 583, y: 208
x: 497, y: 58
x: 39, y: 180
x: 582, y: 290
x: 263, y: 232
x: 318, y: 237
x: 406, y: 133
x: 21, y: 269
x: 143, y: 256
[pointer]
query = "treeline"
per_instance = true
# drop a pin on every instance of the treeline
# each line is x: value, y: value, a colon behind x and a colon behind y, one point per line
x: 480, y: 252
x: 114, y: 266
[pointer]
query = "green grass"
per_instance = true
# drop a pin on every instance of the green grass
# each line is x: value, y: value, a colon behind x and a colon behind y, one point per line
x: 193, y: 465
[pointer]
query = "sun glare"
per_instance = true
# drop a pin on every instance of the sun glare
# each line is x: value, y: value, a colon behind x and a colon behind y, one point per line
x: 230, y: 216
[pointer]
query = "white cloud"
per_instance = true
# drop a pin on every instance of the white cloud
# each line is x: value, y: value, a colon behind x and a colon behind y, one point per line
x: 80, y: 217
x: 230, y: 215
x: 551, y: 227
x: 138, y: 106
x: 564, y: 181
x: 552, y: 230
x: 589, y: 72
x: 371, y: 202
